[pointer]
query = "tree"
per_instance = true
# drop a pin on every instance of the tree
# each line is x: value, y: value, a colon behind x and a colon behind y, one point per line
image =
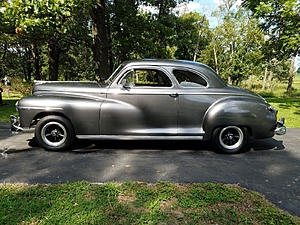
x: 101, y: 46
x: 234, y: 51
x: 280, y: 20
x: 191, y: 35
x: 47, y: 21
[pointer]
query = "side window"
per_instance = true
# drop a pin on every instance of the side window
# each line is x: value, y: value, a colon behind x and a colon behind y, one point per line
x: 188, y: 79
x: 148, y: 77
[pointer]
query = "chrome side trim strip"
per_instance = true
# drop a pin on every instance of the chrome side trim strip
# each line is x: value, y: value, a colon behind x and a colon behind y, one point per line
x: 42, y: 108
x: 88, y: 95
x: 44, y: 82
x: 131, y: 137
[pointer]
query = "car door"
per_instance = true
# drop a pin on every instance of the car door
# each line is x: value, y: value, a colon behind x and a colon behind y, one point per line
x: 143, y: 101
x: 194, y: 100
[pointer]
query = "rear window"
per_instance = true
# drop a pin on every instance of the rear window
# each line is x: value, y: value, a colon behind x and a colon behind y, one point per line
x: 188, y: 79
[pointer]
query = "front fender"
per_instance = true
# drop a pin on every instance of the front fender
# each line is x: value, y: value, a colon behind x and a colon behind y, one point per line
x: 83, y: 113
x: 241, y: 111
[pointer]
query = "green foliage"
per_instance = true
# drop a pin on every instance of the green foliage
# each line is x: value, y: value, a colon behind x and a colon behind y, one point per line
x: 235, y: 49
x: 33, y: 24
x: 280, y: 20
x: 189, y: 28
x: 20, y: 87
x: 207, y: 194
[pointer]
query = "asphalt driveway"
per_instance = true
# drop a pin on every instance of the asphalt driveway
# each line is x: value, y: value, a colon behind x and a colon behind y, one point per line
x: 271, y: 166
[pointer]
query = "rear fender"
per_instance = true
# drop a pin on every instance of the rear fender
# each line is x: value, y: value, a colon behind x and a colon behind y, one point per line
x: 240, y: 111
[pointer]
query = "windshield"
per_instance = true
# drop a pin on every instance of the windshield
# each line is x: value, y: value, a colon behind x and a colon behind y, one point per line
x: 114, y: 75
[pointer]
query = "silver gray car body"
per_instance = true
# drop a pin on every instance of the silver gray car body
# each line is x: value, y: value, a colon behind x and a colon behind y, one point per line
x: 111, y: 111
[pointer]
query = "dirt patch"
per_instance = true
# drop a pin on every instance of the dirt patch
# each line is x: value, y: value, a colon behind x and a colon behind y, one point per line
x: 88, y: 196
x: 33, y: 221
x: 167, y: 205
x: 126, y: 198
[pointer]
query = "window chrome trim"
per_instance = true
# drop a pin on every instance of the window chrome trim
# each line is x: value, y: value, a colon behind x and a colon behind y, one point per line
x: 125, y: 72
x: 199, y: 73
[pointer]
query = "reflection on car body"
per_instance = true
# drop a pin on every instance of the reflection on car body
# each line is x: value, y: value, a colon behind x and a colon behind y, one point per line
x: 149, y: 99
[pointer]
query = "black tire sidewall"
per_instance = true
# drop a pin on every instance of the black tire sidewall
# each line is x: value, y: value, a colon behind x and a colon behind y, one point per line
x: 63, y: 121
x: 221, y: 149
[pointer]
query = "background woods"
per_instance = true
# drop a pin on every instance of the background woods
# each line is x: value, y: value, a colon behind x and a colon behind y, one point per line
x: 253, y: 44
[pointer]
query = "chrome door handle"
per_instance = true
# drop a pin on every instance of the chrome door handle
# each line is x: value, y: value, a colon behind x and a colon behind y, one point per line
x: 174, y: 95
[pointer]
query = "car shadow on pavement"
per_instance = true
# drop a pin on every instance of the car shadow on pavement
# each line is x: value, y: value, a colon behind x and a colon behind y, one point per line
x: 86, y: 146
x: 265, y: 144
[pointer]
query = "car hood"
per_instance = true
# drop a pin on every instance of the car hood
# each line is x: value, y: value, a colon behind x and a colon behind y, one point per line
x: 67, y: 86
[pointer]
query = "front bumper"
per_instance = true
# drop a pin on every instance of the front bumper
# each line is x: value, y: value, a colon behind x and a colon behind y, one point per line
x: 15, y: 124
x: 280, y: 127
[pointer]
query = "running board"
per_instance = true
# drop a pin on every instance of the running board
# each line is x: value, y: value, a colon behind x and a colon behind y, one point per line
x: 126, y: 137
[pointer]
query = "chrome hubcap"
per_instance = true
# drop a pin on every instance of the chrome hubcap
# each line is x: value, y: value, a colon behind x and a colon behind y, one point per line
x: 54, y: 134
x: 231, y: 137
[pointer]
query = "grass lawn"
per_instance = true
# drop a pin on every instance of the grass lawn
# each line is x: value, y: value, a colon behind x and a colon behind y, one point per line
x: 136, y: 203
x: 288, y: 108
x: 7, y: 109
x: 279, y: 89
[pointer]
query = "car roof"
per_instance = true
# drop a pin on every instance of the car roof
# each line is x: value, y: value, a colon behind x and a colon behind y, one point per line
x: 165, y: 62
x: 215, y: 80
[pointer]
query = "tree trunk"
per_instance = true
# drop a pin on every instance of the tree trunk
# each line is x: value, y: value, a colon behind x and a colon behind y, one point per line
x: 291, y: 77
x: 36, y: 62
x: 265, y: 78
x: 270, y: 80
x: 250, y: 82
x: 197, y: 45
x: 1, y: 102
x: 100, y: 40
x: 216, y: 60
x: 27, y: 64
x: 29, y: 70
x: 54, y: 52
x: 229, y: 81
x: 2, y: 71
x: 110, y: 54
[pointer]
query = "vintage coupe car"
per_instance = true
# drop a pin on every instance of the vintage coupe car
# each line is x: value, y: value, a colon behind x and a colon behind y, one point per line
x: 148, y: 99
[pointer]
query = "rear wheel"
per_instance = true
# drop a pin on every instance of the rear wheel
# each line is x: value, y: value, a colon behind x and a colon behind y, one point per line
x: 230, y: 139
x: 54, y: 133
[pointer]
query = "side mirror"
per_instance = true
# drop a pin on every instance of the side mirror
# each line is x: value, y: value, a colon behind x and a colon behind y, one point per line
x: 125, y: 84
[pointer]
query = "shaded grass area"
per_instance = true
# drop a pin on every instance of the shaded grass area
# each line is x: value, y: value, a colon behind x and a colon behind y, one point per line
x: 279, y: 89
x: 288, y: 108
x: 8, y: 108
x: 136, y: 203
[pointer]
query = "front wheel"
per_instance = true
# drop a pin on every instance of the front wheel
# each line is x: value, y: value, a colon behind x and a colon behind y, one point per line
x: 230, y: 139
x: 54, y: 133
